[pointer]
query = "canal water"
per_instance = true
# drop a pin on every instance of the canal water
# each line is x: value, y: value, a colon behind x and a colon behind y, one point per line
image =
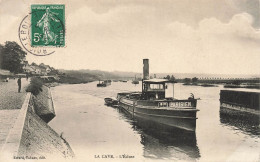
x: 100, y: 133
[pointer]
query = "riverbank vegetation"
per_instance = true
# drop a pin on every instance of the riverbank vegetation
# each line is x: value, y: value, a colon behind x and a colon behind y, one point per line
x: 35, y: 86
x: 253, y: 83
x: 77, y: 77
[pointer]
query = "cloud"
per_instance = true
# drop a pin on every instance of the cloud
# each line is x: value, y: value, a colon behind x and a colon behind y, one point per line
x: 218, y: 47
x: 239, y: 26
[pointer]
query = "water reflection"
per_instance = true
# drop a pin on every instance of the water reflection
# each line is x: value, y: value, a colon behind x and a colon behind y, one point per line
x: 246, y: 122
x: 162, y: 142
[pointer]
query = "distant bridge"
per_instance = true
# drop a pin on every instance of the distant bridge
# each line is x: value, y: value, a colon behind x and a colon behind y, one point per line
x: 225, y: 80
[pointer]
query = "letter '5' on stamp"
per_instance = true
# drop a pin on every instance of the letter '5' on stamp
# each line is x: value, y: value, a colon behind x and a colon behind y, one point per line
x: 47, y: 25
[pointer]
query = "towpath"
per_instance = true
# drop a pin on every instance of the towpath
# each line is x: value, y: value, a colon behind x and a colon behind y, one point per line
x: 10, y: 104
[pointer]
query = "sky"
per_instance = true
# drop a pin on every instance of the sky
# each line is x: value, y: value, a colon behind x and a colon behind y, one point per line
x: 177, y: 36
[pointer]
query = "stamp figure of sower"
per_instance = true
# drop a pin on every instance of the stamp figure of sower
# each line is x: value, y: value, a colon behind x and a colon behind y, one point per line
x: 44, y: 22
x: 47, y: 25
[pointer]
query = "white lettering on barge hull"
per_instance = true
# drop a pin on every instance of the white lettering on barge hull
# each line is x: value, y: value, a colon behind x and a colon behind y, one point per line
x: 174, y: 104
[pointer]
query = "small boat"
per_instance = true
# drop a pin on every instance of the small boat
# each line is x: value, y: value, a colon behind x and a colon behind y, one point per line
x: 101, y: 84
x: 156, y: 103
x: 135, y: 81
x: 104, y: 83
x: 111, y: 101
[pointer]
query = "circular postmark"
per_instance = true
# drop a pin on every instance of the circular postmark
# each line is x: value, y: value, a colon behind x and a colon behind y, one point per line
x: 24, y: 33
x: 43, y: 30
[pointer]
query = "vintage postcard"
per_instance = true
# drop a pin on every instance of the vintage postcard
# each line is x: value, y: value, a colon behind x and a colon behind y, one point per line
x: 130, y: 80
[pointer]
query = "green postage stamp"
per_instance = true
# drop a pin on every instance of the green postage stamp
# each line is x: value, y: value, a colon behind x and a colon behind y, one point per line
x: 47, y: 25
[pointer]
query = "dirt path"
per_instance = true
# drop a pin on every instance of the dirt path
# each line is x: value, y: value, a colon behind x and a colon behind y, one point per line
x: 10, y: 104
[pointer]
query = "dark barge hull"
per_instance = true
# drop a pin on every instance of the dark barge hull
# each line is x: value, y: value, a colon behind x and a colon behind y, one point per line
x: 101, y: 85
x: 241, y: 101
x: 182, y: 118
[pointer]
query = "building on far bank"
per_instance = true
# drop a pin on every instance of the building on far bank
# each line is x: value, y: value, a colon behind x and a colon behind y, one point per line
x: 29, y: 69
x: 45, y: 68
x: 41, y: 69
x: 35, y: 70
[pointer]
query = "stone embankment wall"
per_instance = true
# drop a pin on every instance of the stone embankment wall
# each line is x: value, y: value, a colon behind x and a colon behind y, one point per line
x: 39, y: 139
x: 32, y: 137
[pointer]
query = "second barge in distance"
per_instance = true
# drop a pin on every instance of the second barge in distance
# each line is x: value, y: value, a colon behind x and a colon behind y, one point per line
x: 104, y: 83
x: 156, y: 103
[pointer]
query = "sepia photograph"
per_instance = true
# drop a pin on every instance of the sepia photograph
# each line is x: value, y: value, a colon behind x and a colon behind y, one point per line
x: 130, y: 80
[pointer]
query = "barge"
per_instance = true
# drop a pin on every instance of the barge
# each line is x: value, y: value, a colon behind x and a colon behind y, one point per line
x: 156, y: 103
x: 104, y: 83
x: 241, y: 101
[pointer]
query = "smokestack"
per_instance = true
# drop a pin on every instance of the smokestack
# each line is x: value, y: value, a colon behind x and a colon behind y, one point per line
x: 145, y: 69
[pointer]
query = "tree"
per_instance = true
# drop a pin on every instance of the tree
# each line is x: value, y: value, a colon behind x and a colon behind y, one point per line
x: 194, y: 80
x: 172, y: 78
x: 13, y: 57
x: 187, y: 80
x: 167, y: 77
x: 236, y: 82
x: 34, y: 64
